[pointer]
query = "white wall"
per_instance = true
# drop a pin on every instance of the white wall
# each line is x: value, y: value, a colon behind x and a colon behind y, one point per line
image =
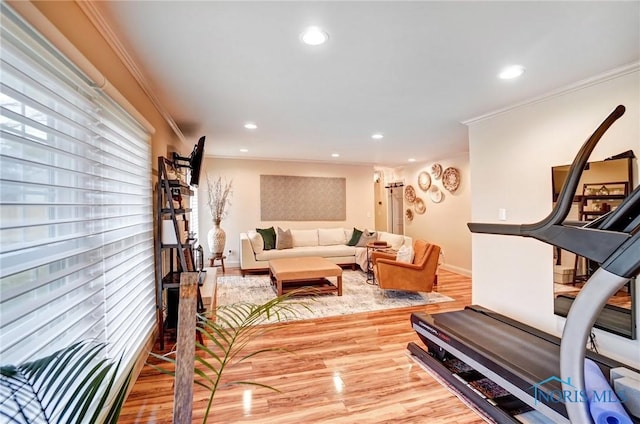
x: 511, y: 155
x: 444, y: 223
x: 244, y: 213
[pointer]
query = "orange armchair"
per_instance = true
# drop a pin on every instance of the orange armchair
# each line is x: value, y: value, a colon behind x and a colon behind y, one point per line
x: 419, y: 276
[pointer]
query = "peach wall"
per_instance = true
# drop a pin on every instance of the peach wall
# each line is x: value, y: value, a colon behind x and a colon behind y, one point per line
x: 244, y: 213
x: 444, y: 223
x: 511, y: 155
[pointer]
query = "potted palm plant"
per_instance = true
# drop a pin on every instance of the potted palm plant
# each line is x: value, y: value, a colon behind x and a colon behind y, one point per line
x: 227, y: 332
x: 219, y: 199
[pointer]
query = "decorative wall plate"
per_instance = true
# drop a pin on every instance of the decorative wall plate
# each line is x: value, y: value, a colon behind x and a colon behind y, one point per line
x: 409, y: 214
x: 410, y: 194
x: 420, y: 206
x: 435, y: 194
x: 451, y: 179
x: 436, y: 170
x: 424, y: 181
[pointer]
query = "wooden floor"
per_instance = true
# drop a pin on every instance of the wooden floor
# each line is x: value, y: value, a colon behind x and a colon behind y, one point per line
x: 349, y: 369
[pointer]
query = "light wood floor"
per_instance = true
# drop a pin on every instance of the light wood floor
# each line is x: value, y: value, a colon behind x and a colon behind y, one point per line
x: 349, y: 369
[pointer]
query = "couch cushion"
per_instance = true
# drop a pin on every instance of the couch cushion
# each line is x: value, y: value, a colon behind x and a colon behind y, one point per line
x: 335, y: 251
x: 367, y: 237
x: 303, y: 238
x: 394, y: 240
x: 257, y: 243
x: 355, y: 237
x: 269, y: 237
x: 331, y: 236
x: 284, y: 239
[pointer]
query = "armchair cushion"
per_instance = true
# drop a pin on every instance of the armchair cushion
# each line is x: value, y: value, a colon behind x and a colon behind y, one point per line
x: 405, y: 254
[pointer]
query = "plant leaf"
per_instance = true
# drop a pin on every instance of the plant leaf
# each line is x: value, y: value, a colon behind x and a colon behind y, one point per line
x: 41, y: 390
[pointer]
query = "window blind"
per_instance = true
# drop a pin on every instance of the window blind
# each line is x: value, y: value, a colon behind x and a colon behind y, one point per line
x: 76, y: 230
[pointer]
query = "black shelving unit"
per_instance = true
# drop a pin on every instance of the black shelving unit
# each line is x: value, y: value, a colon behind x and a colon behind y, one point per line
x: 174, y: 248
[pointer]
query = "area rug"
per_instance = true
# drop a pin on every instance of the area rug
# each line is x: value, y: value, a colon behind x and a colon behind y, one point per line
x: 357, y: 296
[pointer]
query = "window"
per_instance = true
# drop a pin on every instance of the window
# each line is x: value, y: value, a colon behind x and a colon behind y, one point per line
x: 76, y: 230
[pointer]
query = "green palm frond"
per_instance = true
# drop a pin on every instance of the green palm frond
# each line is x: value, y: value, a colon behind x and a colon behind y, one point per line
x: 71, y: 385
x: 230, y: 329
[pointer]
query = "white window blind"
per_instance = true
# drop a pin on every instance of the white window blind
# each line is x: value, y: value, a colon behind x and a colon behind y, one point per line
x: 76, y: 231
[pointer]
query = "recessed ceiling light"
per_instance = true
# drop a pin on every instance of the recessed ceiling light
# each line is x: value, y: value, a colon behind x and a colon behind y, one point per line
x: 314, y: 36
x: 411, y: 159
x: 511, y: 72
x: 335, y: 155
x: 250, y: 126
x: 377, y: 136
x: 244, y: 150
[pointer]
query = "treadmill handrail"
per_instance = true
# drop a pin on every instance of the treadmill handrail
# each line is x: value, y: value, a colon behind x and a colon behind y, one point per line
x: 550, y: 229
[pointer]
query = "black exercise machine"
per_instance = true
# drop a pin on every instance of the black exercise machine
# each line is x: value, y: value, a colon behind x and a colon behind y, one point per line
x: 518, y: 357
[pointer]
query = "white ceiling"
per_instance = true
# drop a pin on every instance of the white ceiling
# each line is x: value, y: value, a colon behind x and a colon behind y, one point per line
x: 413, y: 71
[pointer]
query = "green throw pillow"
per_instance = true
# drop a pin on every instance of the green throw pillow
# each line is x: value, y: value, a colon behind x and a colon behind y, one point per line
x: 355, y: 237
x: 269, y: 237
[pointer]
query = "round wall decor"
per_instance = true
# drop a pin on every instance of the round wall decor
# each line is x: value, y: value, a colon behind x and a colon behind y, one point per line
x: 409, y: 214
x: 435, y: 194
x: 451, y: 179
x: 410, y: 194
x: 424, y: 181
x: 419, y: 206
x: 436, y: 170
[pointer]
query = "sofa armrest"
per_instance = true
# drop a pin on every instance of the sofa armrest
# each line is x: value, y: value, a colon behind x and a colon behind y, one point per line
x: 247, y: 255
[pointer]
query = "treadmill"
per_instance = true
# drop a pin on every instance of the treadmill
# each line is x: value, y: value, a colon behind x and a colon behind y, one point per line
x: 476, y: 348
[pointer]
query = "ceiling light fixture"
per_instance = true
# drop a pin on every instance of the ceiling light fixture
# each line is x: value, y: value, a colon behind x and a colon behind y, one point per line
x: 335, y: 155
x: 244, y: 150
x: 250, y: 126
x: 314, y: 36
x: 511, y: 72
x: 411, y: 159
x: 377, y: 136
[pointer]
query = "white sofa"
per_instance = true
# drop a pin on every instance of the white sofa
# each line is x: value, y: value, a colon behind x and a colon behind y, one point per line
x: 329, y: 243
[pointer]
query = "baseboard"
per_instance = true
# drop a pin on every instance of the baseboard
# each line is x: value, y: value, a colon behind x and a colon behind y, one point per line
x: 136, y: 368
x: 456, y: 269
x: 232, y: 264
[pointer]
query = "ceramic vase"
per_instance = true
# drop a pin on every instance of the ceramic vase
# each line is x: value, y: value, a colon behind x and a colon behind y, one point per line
x: 216, y: 239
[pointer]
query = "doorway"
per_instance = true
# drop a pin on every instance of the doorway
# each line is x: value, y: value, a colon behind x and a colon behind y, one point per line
x: 395, y: 204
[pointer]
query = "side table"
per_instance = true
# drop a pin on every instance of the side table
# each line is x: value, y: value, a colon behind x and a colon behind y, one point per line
x: 217, y: 257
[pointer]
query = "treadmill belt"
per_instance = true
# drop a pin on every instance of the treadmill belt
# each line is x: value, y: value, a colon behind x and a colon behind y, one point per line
x: 511, y: 354
x: 524, y: 354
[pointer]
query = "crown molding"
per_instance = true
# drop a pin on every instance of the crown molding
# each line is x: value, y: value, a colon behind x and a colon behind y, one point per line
x: 101, y: 24
x: 598, y: 79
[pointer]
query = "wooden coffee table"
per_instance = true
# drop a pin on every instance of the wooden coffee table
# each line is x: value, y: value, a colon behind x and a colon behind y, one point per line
x: 287, y: 274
